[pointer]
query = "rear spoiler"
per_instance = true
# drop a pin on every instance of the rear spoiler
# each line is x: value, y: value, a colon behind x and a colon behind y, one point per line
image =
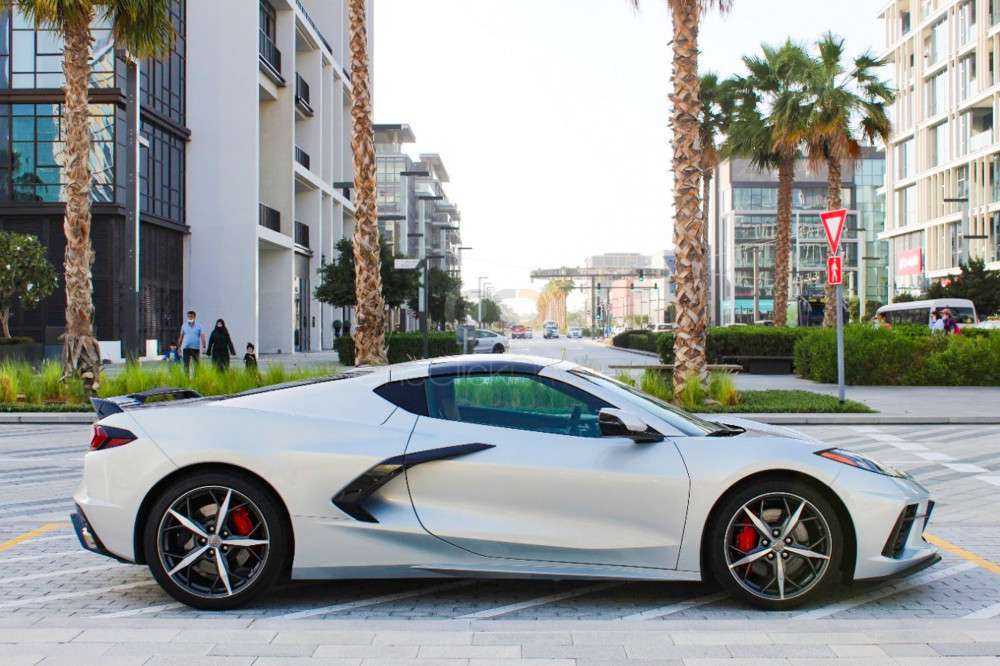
x: 108, y: 406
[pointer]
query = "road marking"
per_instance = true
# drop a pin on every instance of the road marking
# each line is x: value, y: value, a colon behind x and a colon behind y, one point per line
x: 995, y: 480
x: 64, y: 553
x: 372, y: 601
x: 58, y: 538
x: 21, y: 538
x: 934, y: 456
x: 875, y: 595
x: 984, y: 613
x: 966, y: 468
x: 538, y: 601
x: 75, y: 595
x: 944, y: 544
x: 139, y: 611
x: 662, y: 611
x: 56, y: 574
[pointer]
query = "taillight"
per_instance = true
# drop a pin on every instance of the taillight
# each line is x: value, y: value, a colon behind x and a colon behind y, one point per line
x: 107, y: 437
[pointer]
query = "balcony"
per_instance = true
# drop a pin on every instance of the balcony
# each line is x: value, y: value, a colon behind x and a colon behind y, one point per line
x: 269, y: 218
x: 312, y: 23
x: 270, y: 58
x: 302, y: 157
x: 980, y: 141
x: 302, y: 95
x: 301, y: 234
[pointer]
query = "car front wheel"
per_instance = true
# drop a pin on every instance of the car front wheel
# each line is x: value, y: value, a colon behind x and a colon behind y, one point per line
x: 216, y: 540
x: 777, y: 544
x: 498, y: 349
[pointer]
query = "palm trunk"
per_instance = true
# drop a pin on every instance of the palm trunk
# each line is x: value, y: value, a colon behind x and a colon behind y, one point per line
x: 783, y: 251
x: 706, y: 192
x: 81, y: 354
x: 5, y: 323
x: 689, y: 342
x: 369, y: 334
x: 832, y: 203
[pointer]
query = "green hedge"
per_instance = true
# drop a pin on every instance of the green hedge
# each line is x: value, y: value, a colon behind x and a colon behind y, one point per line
x: 404, y: 346
x: 728, y: 341
x: 15, y: 340
x: 636, y: 339
x: 903, y: 356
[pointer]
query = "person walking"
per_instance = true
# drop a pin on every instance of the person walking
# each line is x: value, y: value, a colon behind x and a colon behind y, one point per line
x: 220, y: 345
x: 948, y: 323
x: 191, y: 340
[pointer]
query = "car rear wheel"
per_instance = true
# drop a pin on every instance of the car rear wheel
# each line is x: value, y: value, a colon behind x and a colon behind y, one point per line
x: 216, y: 540
x: 777, y: 544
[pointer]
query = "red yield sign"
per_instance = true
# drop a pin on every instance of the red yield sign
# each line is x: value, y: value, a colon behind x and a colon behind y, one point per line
x: 833, y: 226
x: 835, y: 269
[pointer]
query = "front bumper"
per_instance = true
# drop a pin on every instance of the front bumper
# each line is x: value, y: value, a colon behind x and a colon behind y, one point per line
x: 890, y: 515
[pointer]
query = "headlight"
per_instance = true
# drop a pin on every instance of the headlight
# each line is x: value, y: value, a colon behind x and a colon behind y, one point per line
x: 861, y: 462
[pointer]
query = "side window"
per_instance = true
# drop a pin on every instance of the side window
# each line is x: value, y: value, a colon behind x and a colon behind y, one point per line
x: 408, y: 394
x: 522, y: 402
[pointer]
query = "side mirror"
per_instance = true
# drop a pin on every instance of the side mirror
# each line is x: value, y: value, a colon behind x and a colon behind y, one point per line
x: 619, y: 423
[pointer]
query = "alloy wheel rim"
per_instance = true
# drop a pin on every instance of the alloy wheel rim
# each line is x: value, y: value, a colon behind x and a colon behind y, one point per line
x: 778, y: 546
x: 213, y: 542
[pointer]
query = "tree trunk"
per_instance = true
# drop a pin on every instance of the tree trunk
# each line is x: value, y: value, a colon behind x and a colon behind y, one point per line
x: 706, y: 193
x: 369, y: 334
x: 832, y: 203
x: 783, y: 241
x: 689, y: 342
x: 5, y: 323
x: 81, y: 354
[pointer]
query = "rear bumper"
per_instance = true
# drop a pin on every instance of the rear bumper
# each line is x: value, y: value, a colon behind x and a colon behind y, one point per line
x: 88, y: 537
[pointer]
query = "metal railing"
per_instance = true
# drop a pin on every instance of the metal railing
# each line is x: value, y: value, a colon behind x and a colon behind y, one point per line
x: 301, y: 234
x: 302, y: 157
x: 315, y: 27
x: 302, y: 97
x: 269, y: 218
x: 269, y: 53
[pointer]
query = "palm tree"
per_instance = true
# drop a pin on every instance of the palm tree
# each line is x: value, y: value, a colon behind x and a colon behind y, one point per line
x: 845, y: 108
x: 768, y: 130
x: 369, y: 334
x: 144, y: 29
x: 717, y: 107
x: 692, y: 325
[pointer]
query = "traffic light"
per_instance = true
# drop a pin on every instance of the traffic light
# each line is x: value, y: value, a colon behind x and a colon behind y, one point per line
x: 642, y: 275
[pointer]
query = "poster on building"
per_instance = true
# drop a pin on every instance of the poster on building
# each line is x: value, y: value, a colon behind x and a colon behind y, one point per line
x: 909, y: 262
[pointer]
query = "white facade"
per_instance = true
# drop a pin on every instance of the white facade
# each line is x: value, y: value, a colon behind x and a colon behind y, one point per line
x: 943, y: 59
x: 268, y: 166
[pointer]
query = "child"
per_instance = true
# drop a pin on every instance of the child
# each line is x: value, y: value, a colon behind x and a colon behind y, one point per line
x: 250, y: 358
x: 172, y: 356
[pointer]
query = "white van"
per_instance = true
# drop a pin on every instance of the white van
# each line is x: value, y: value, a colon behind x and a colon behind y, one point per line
x: 919, y: 312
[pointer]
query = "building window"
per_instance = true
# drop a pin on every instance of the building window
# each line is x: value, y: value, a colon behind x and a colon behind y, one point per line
x: 906, y: 206
x: 939, y: 144
x: 32, y: 152
x: 162, y: 81
x: 32, y: 58
x: 161, y: 174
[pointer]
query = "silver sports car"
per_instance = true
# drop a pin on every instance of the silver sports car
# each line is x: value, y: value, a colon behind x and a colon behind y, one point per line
x: 470, y: 466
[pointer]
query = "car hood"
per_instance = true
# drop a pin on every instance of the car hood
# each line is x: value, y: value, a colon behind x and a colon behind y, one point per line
x: 758, y: 429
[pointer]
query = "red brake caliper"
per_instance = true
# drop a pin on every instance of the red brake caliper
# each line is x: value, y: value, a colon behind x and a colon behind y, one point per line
x: 242, y: 524
x: 746, y: 540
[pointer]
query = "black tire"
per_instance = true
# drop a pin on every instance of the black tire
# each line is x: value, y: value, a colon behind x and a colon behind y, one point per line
x: 268, y: 568
x: 498, y: 349
x: 719, y: 537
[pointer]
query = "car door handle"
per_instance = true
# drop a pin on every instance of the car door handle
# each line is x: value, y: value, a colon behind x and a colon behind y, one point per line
x: 352, y: 496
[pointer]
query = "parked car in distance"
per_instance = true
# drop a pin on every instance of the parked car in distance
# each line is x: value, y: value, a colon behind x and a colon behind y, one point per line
x: 488, y: 342
x: 664, y: 328
x: 550, y: 332
x: 519, y: 332
x: 575, y: 332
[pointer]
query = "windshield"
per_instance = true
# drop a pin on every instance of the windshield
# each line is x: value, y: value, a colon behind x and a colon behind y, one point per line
x: 689, y: 424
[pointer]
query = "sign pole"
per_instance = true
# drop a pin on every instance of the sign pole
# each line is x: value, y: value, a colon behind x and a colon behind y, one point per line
x: 840, y: 341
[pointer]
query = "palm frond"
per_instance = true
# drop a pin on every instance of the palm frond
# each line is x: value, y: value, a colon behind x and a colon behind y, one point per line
x: 54, y: 14
x: 143, y: 27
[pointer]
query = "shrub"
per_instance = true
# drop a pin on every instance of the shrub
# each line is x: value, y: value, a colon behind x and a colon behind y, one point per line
x: 657, y: 384
x: 692, y: 394
x: 16, y: 340
x: 727, y: 341
x: 722, y: 389
x: 405, y: 346
x: 902, y: 356
x: 625, y: 378
x: 636, y: 339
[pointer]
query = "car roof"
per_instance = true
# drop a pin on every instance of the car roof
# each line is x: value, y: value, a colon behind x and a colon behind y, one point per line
x: 469, y: 364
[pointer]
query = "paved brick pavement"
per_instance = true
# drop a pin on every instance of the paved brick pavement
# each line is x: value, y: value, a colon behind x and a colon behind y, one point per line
x: 64, y: 605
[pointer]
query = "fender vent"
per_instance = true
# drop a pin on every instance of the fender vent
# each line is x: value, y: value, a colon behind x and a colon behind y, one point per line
x: 900, y: 533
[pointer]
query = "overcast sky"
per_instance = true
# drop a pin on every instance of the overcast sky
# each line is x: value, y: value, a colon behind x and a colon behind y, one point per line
x: 551, y: 115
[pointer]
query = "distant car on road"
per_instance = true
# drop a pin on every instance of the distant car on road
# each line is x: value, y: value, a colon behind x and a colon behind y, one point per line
x: 574, y: 332
x: 665, y: 328
x: 550, y: 332
x: 518, y: 332
x: 488, y: 342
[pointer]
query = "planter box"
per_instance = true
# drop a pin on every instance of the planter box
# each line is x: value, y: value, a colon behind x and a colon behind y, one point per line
x: 33, y: 353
